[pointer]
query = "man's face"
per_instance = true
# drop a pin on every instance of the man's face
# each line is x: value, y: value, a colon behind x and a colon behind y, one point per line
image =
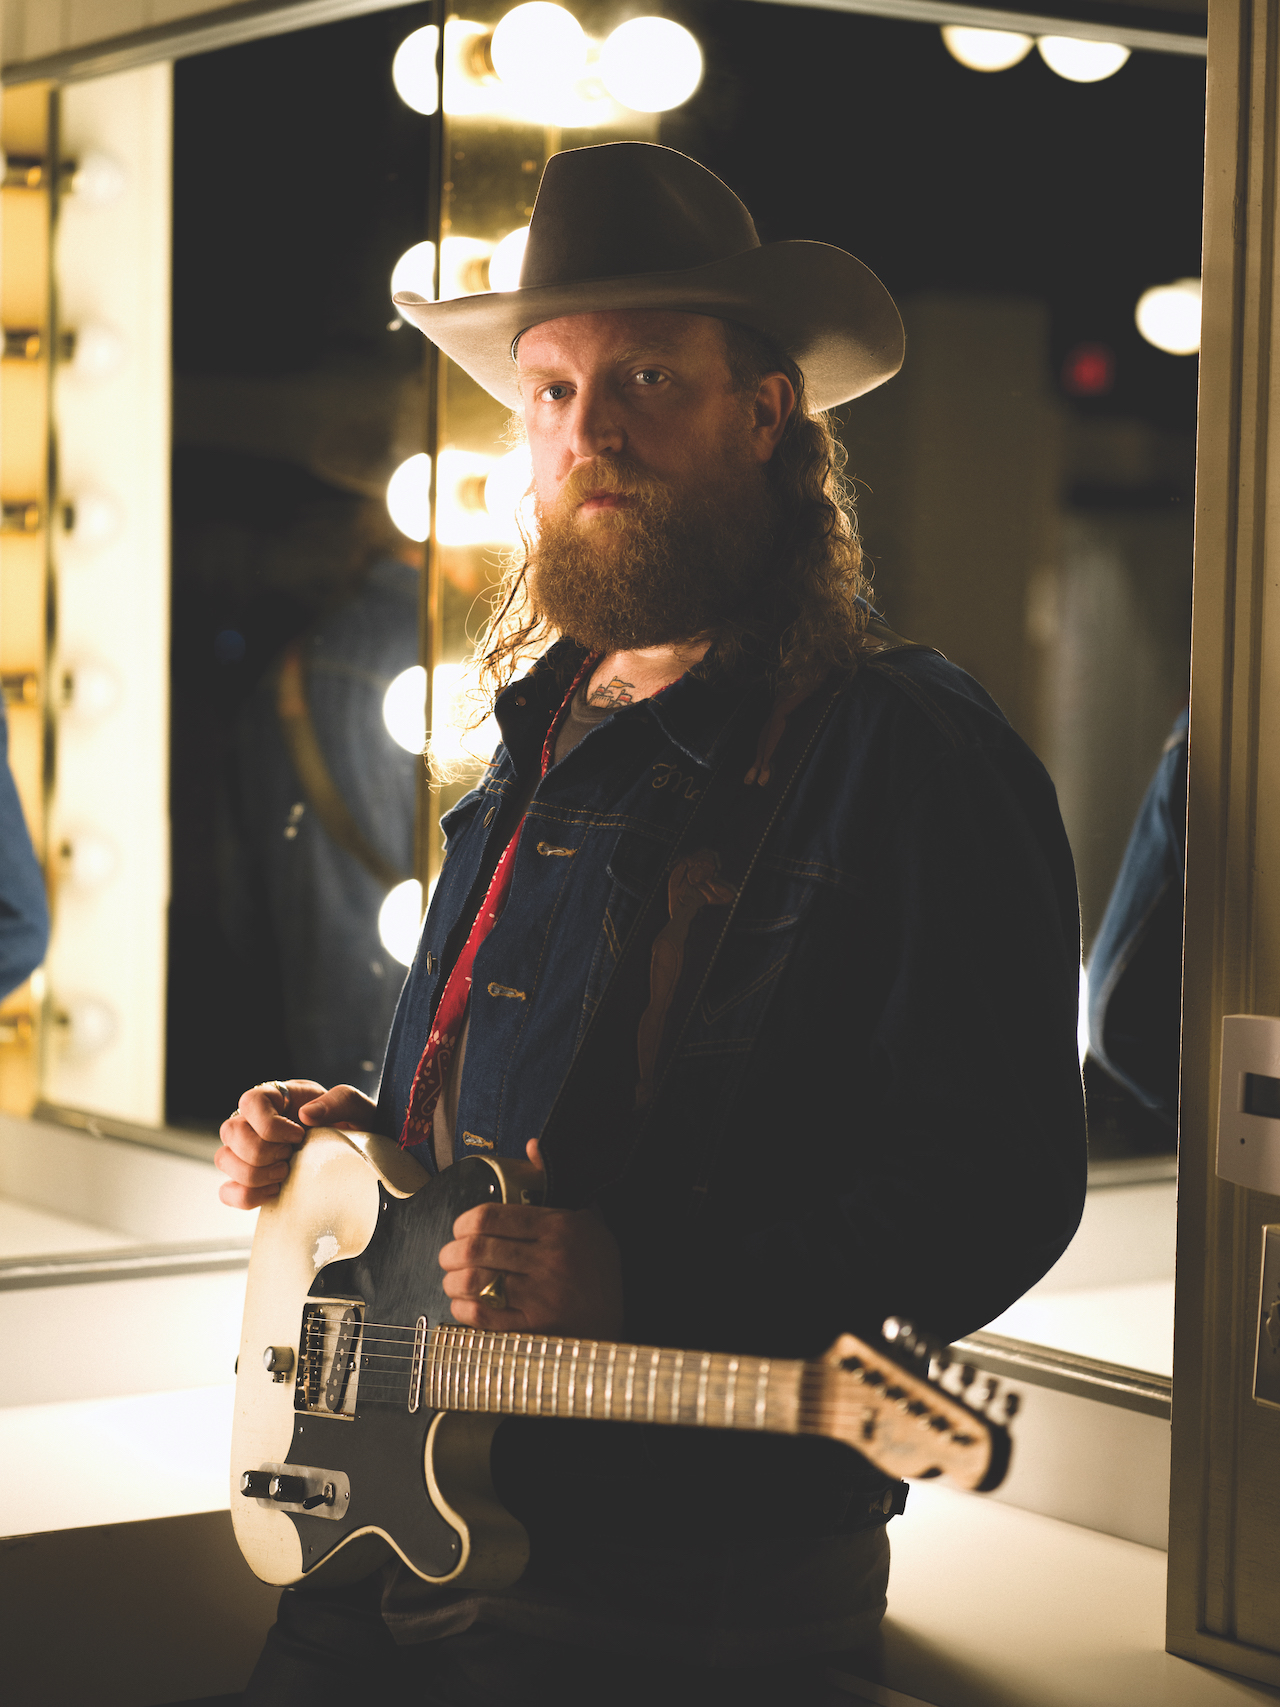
x: 649, y: 474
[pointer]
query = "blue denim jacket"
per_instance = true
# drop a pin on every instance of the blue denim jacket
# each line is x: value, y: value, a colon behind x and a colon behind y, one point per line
x: 888, y: 1044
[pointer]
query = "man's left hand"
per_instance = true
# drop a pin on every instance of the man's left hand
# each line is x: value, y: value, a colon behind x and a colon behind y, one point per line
x: 561, y: 1269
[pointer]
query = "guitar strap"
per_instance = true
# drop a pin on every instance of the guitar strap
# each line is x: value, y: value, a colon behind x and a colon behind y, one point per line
x: 597, y: 1128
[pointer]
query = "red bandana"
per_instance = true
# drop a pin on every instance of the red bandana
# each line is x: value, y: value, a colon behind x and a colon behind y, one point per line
x: 446, y: 1029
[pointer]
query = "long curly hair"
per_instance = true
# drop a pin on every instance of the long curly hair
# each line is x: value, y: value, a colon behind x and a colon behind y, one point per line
x: 804, y: 620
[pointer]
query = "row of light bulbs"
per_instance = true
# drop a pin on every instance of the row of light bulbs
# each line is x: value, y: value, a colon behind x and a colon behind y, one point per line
x: 1070, y: 57
x: 539, y: 65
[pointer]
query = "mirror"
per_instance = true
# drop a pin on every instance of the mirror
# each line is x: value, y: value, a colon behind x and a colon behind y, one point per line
x: 1024, y: 492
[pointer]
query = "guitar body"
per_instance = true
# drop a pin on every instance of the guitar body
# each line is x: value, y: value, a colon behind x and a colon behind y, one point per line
x: 341, y: 1468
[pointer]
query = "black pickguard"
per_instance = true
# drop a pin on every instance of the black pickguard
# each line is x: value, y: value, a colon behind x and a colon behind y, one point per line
x: 398, y: 1275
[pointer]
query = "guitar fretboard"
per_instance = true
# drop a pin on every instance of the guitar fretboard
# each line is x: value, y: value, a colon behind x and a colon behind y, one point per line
x: 534, y: 1375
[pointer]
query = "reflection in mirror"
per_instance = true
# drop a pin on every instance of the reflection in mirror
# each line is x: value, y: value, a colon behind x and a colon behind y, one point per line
x: 1024, y: 494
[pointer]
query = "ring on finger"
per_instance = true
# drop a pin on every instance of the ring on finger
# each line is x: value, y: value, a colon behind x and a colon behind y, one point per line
x: 496, y: 1291
x: 279, y: 1085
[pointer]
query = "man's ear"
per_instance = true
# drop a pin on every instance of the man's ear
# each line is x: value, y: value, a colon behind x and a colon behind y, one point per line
x: 771, y: 411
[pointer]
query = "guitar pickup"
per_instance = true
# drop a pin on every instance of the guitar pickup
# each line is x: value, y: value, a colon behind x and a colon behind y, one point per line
x: 298, y: 1488
x: 328, y: 1377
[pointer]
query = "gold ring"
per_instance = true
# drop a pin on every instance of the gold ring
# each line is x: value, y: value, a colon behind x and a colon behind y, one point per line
x: 284, y: 1092
x: 496, y: 1290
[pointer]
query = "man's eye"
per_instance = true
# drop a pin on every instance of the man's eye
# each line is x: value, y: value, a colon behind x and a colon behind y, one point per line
x: 649, y: 375
x: 555, y: 392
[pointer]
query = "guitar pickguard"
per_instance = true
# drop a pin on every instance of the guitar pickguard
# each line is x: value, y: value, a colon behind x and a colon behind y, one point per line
x: 345, y: 1278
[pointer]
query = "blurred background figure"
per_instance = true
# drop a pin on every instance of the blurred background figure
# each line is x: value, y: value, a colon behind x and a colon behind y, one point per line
x: 24, y: 911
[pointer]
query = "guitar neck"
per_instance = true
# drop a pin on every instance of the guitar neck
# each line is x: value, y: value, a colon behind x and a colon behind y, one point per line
x: 537, y: 1375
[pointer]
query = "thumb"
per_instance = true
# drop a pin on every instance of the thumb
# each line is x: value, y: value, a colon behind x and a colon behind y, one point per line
x: 343, y: 1105
x: 534, y: 1152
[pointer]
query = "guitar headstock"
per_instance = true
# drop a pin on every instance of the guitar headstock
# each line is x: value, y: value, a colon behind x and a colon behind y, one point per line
x: 909, y: 1408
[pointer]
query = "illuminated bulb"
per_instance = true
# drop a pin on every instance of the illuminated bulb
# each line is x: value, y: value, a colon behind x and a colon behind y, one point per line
x: 1168, y: 316
x: 536, y: 44
x: 651, y: 64
x: 88, y: 859
x: 416, y: 271
x: 99, y: 352
x: 413, y: 70
x: 91, y: 1025
x: 986, y: 50
x: 507, y: 497
x: 452, y: 744
x: 409, y: 497
x: 90, y: 691
x: 1082, y: 61
x: 93, y: 519
x: 404, y: 709
x: 400, y: 920
x: 507, y: 259
x: 98, y: 179
x: 464, y: 266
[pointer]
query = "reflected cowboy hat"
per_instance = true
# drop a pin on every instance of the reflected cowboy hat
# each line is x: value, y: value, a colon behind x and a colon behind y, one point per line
x: 630, y: 225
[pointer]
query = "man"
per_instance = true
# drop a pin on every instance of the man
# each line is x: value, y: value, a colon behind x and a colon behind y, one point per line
x: 868, y: 1100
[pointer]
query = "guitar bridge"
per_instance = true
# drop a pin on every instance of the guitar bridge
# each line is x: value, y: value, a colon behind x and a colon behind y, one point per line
x: 328, y: 1378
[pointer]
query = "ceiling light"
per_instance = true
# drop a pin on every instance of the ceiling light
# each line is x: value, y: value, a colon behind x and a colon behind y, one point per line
x: 1168, y: 316
x: 986, y: 50
x: 1082, y: 61
x: 400, y: 920
x: 651, y: 64
x: 413, y: 70
x: 409, y: 496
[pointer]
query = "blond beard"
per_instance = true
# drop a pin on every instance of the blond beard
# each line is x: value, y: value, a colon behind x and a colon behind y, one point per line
x: 670, y: 566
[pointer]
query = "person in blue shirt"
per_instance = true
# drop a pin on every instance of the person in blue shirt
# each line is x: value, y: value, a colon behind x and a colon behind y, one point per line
x: 24, y: 909
x: 873, y: 1103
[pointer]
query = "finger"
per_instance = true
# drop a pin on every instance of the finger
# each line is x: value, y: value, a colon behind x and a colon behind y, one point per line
x: 341, y: 1105
x: 525, y: 1221
x: 262, y: 1108
x: 471, y: 1282
x: 242, y: 1197
x: 236, y: 1168
x: 479, y: 1313
x: 509, y: 1255
x: 237, y: 1135
x: 534, y: 1152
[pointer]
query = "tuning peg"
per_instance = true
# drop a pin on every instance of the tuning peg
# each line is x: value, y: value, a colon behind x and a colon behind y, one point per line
x: 968, y: 1375
x: 942, y: 1357
x: 1012, y: 1405
x: 993, y: 1387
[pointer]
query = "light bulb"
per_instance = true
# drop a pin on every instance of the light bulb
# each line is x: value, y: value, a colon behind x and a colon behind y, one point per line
x: 464, y: 266
x: 400, y: 920
x: 416, y: 271
x: 536, y: 44
x: 451, y: 743
x: 1168, y: 316
x: 89, y: 859
x: 98, y: 179
x: 507, y: 497
x: 89, y: 691
x: 409, y: 496
x: 986, y: 50
x: 1082, y: 61
x: 413, y: 70
x: 651, y: 64
x: 93, y: 519
x: 404, y: 709
x: 507, y: 259
x: 98, y: 352
x: 91, y: 1025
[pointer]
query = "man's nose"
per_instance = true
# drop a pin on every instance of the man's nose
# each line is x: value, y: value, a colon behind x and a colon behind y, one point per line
x: 595, y: 425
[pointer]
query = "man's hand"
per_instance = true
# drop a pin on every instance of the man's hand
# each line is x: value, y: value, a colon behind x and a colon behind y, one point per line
x: 561, y: 1268
x: 259, y: 1139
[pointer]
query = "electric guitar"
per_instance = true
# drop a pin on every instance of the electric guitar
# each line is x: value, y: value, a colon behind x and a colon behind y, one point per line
x: 364, y: 1413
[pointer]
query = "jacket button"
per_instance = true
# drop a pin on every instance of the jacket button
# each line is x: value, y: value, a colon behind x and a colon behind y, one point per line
x: 488, y: 817
x: 519, y: 700
x: 432, y: 962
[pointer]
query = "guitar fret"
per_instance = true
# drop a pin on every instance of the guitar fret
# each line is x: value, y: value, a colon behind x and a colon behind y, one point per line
x: 631, y: 1379
x: 608, y: 1381
x: 591, y: 1375
x: 653, y: 1382
x: 730, y: 1392
x: 542, y: 1370
x: 488, y: 1371
x: 675, y: 1387
x: 573, y: 1373
x: 524, y: 1381
x: 762, y: 1391
x: 701, y: 1408
x: 555, y: 1382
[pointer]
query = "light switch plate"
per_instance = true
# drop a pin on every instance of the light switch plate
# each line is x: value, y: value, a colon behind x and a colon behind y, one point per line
x: 1266, y: 1374
x: 1249, y: 1102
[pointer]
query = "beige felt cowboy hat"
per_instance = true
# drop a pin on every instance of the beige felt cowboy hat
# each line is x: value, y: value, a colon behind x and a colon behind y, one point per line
x: 632, y: 225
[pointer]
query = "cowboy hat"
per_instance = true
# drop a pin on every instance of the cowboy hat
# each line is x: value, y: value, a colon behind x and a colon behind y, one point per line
x: 632, y: 225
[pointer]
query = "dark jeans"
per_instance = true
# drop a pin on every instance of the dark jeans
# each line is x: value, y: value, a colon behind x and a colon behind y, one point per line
x: 333, y: 1651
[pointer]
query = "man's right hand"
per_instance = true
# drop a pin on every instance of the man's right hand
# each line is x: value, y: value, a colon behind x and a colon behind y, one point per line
x: 259, y: 1139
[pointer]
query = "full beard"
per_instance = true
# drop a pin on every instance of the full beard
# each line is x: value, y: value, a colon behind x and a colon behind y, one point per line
x: 671, y: 565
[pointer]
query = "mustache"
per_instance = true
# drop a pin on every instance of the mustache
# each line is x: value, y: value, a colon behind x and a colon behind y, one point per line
x: 617, y: 475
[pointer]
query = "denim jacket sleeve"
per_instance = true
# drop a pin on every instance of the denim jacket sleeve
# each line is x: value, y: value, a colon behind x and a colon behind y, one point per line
x: 24, y: 911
